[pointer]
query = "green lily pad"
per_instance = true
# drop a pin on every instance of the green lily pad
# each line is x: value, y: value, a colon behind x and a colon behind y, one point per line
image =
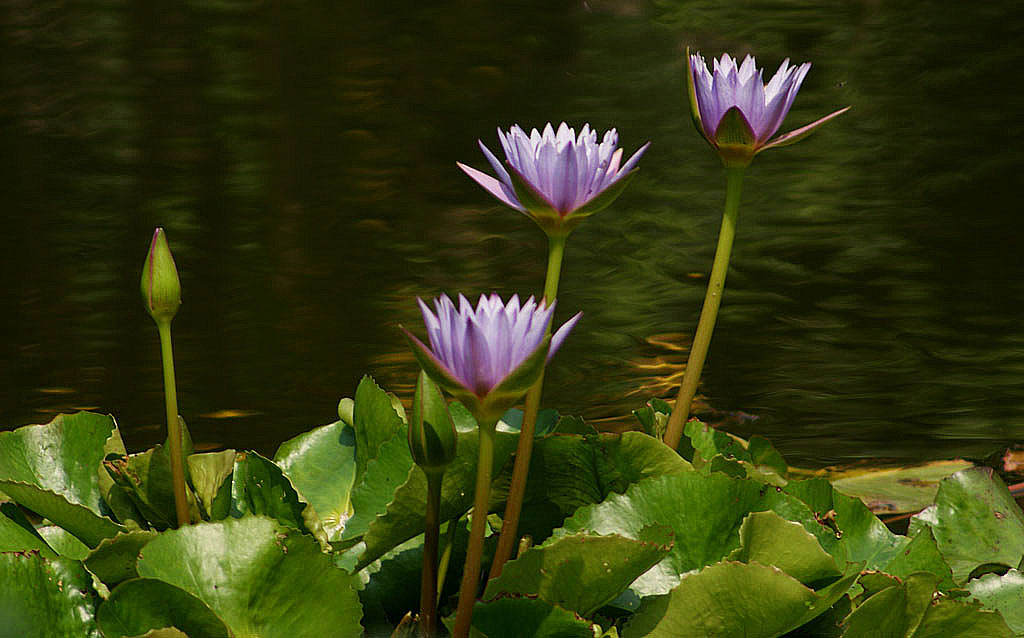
x: 391, y: 468
x: 54, y: 470
x: 211, y: 481
x: 113, y: 560
x: 146, y: 478
x: 704, y: 512
x: 581, y: 572
x: 18, y: 535
x: 46, y: 598
x: 975, y: 521
x: 769, y: 539
x: 321, y: 464
x: 922, y: 554
x: 375, y: 422
x: 513, y: 616
x: 570, y: 471
x: 260, y: 577
x: 258, y: 487
x: 1003, y: 593
x: 909, y: 609
x: 733, y: 600
x: 145, y: 606
x: 64, y: 542
x: 547, y: 421
x: 896, y: 490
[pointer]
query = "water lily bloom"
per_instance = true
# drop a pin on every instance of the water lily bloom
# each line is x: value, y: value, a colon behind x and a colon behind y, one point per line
x: 737, y: 113
x: 489, y: 356
x: 557, y: 178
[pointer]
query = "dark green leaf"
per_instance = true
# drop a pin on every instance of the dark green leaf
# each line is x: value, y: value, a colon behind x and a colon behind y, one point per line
x: 113, y: 560
x: 141, y: 605
x: 211, y: 481
x: 259, y: 487
x: 45, y: 598
x: 520, y: 616
x: 376, y: 421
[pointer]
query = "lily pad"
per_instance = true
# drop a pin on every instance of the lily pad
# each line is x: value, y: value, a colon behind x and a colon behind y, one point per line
x: 896, y: 490
x: 19, y: 536
x: 54, y: 470
x: 261, y: 578
x: 769, y: 539
x: 321, y: 464
x: 211, y: 482
x: 581, y: 572
x: 1003, y: 593
x: 513, y: 616
x: 375, y: 422
x: 733, y: 600
x: 46, y: 598
x: 113, y: 560
x: 975, y: 521
x: 145, y: 606
x: 259, y: 487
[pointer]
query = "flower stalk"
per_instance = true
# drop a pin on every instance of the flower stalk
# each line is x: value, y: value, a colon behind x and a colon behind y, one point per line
x: 524, y: 448
x: 161, y: 292
x: 431, y: 535
x: 709, y: 312
x: 475, y: 549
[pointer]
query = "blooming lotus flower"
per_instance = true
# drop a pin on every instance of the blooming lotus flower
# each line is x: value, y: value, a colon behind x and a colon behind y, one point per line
x: 737, y: 113
x: 557, y: 178
x: 487, y: 357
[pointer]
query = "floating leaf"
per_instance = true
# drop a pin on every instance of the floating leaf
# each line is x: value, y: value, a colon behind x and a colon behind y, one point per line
x: 260, y: 577
x: 896, y: 490
x: 259, y: 487
x: 391, y: 468
x: 581, y: 572
x: 321, y: 464
x: 514, y: 616
x: 145, y: 606
x: 113, y: 560
x: 704, y: 512
x: 45, y: 598
x: 211, y: 481
x: 375, y: 422
x: 547, y: 420
x: 18, y: 535
x: 54, y: 470
x: 733, y: 600
x: 1003, y: 593
x: 64, y: 542
x: 975, y: 521
x: 769, y: 539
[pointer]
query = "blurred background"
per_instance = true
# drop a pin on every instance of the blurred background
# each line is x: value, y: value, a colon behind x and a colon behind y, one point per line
x: 301, y: 156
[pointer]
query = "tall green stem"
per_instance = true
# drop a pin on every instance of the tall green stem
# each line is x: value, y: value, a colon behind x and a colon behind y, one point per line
x: 708, y: 314
x: 524, y: 449
x: 431, y: 535
x: 173, y: 427
x: 474, y: 551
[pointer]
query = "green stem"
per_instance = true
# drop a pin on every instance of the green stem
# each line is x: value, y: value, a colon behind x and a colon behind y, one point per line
x: 475, y: 548
x: 173, y: 427
x: 446, y: 554
x: 524, y: 449
x: 431, y: 535
x: 708, y: 314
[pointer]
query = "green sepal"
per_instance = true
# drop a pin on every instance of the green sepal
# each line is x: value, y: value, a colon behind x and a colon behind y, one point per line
x: 432, y: 439
x: 605, y: 198
x: 735, y: 139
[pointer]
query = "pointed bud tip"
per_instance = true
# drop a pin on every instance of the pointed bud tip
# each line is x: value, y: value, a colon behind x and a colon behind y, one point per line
x: 160, y: 286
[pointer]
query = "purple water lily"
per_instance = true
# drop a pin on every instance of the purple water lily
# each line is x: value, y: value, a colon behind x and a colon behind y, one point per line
x: 494, y: 349
x: 737, y: 113
x: 557, y: 178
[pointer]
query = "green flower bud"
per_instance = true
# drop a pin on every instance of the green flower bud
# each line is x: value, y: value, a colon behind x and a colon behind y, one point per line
x: 432, y: 438
x: 161, y: 289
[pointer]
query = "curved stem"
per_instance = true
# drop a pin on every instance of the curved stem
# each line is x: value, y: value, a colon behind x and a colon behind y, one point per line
x: 474, y: 551
x: 708, y: 314
x: 431, y: 535
x: 173, y: 427
x: 524, y: 449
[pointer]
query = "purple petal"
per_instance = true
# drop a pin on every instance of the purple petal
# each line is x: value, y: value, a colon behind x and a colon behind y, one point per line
x: 562, y: 333
x: 492, y: 186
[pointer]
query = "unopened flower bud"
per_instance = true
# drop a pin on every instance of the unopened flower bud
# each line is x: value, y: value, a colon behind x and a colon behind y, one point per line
x: 161, y: 289
x: 432, y: 438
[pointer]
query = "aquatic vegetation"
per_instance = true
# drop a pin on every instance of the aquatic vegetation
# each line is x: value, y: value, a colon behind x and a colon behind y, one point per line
x: 709, y: 535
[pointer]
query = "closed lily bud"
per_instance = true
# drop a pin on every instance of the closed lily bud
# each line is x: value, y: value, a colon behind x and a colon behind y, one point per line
x: 161, y: 289
x: 432, y: 438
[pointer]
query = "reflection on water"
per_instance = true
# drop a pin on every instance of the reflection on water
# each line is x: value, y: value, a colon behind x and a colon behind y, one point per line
x: 301, y: 156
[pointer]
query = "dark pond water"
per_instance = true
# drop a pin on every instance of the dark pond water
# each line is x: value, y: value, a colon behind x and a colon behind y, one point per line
x: 302, y: 157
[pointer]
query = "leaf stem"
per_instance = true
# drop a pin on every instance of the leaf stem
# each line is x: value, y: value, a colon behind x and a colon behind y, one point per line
x: 709, y: 313
x: 431, y: 535
x: 173, y: 427
x: 475, y: 548
x: 524, y: 448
